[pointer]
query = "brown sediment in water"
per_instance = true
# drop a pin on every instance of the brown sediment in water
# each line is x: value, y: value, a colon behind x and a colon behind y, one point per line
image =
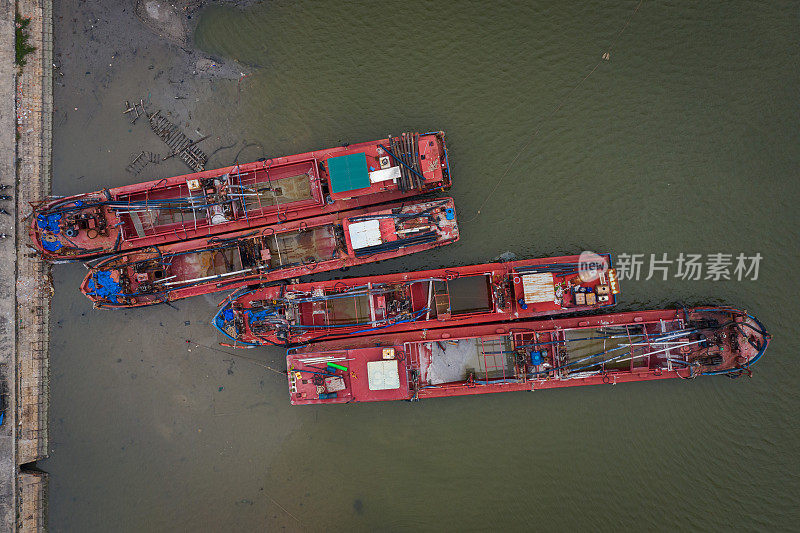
x: 175, y: 21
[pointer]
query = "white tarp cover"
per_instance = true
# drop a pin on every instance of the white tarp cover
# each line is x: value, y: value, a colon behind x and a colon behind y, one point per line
x: 385, y: 174
x: 383, y: 375
x: 364, y: 234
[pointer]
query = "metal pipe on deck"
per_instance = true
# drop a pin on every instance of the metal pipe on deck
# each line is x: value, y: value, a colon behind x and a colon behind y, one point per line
x: 400, y: 161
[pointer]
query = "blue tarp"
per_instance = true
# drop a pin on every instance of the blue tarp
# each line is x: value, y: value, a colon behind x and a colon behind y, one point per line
x: 49, y: 222
x: 51, y: 245
x: 103, y: 286
x: 255, y: 316
x: 227, y: 313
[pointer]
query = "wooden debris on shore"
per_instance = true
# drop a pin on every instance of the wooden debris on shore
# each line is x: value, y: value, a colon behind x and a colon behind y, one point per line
x: 137, y: 109
x: 180, y: 145
x: 141, y: 161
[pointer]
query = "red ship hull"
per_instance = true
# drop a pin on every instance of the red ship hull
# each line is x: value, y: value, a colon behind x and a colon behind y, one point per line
x: 272, y: 253
x: 445, y: 297
x: 235, y: 198
x: 531, y: 355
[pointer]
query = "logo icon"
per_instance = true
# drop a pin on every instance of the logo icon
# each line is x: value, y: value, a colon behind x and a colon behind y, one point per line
x: 591, y: 266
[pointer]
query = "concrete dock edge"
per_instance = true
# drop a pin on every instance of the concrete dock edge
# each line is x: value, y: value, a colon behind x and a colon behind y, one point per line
x: 25, y: 286
x: 8, y: 252
x: 34, y: 288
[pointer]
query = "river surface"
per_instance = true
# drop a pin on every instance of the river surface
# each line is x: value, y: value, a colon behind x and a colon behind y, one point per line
x: 685, y: 140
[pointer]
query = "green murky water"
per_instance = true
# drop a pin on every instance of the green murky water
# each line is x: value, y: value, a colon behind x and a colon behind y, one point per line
x: 685, y: 141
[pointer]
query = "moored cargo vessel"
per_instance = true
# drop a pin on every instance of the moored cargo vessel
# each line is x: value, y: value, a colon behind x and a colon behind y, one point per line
x: 444, y: 297
x: 238, y: 197
x: 162, y: 274
x: 530, y: 355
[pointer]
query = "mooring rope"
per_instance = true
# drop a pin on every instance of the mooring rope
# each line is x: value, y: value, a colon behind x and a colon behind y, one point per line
x: 240, y: 356
x: 605, y: 57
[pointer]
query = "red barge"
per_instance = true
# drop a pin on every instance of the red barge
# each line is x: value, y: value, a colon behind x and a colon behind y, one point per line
x: 445, y: 297
x: 530, y: 355
x: 240, y: 197
x: 160, y: 274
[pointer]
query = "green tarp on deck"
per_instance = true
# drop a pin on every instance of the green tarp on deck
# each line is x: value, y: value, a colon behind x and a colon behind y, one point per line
x: 348, y: 172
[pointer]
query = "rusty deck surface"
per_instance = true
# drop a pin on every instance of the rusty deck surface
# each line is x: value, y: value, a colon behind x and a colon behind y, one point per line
x: 238, y: 197
x: 273, y: 253
x: 529, y: 355
x: 444, y: 297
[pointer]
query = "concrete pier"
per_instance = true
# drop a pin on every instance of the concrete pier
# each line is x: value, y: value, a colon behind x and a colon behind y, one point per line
x: 25, y: 286
x: 8, y: 252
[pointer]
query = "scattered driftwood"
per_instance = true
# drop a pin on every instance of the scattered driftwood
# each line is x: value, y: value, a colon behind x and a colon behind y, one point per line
x: 137, y: 109
x: 179, y: 144
x: 174, y: 153
x: 141, y: 161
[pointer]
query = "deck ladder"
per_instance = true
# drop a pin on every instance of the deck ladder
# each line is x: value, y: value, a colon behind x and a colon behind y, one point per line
x: 668, y: 354
x: 498, y: 345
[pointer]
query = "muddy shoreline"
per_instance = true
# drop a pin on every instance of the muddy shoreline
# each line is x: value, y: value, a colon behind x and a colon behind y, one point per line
x: 106, y: 54
x: 175, y: 22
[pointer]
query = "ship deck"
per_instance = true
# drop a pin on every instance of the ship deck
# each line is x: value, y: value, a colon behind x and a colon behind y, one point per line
x: 231, y: 199
x: 439, y: 298
x: 356, y: 378
x: 297, y: 248
x: 252, y: 193
x: 602, y: 349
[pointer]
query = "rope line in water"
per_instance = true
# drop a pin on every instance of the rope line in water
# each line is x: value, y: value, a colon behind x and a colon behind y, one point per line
x: 240, y: 356
x: 605, y: 57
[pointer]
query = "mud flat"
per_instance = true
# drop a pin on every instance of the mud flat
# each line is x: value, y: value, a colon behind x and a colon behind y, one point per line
x: 174, y: 21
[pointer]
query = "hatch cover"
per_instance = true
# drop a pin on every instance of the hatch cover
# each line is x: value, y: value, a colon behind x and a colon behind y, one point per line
x: 348, y: 172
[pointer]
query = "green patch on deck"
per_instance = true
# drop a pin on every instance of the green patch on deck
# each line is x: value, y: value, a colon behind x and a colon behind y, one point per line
x: 348, y: 172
